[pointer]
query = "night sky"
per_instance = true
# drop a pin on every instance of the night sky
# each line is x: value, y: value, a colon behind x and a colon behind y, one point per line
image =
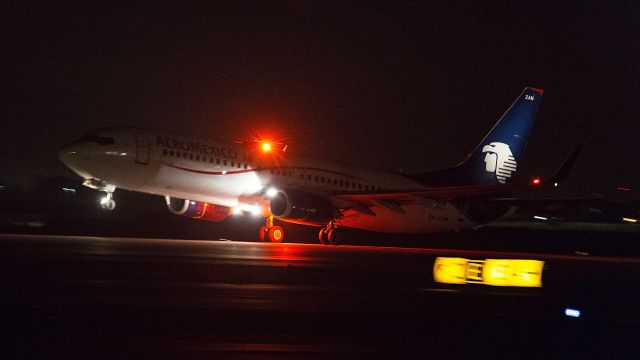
x: 412, y: 86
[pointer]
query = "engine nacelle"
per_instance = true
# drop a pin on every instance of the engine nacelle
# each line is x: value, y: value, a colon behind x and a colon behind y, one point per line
x: 197, y: 210
x: 302, y: 207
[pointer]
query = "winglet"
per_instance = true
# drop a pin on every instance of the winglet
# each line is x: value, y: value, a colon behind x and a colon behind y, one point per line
x: 563, y: 171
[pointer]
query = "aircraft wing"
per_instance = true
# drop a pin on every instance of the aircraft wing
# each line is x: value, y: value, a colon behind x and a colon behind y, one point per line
x: 393, y: 200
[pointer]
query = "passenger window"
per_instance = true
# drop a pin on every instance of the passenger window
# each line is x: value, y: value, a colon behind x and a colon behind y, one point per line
x: 224, y: 162
x: 197, y: 157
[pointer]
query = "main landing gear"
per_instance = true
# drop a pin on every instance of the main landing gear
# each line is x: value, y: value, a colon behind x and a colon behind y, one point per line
x: 331, y: 234
x: 270, y: 232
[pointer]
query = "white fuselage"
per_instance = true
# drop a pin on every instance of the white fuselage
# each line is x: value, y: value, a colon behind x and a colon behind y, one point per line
x: 231, y: 174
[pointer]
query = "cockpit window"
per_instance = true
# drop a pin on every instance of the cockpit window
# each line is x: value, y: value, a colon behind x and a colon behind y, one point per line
x: 102, y: 140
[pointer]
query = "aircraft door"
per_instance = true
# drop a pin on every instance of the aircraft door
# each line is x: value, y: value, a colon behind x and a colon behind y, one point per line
x: 142, y: 149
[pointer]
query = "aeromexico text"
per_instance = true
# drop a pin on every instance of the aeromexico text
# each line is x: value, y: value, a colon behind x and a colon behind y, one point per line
x: 195, y: 147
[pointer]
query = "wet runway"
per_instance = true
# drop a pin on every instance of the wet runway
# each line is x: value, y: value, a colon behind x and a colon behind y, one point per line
x: 106, y: 297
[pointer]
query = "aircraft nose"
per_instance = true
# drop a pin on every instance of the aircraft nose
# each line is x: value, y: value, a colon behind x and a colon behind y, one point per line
x: 68, y: 153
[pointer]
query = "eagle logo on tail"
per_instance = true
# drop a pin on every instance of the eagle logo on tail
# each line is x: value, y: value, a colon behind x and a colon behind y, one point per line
x: 499, y: 160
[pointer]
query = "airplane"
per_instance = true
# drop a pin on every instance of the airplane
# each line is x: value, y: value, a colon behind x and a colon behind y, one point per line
x: 210, y: 180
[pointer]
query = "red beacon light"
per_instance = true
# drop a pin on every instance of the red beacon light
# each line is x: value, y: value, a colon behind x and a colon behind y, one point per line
x: 536, y: 181
x: 265, y: 146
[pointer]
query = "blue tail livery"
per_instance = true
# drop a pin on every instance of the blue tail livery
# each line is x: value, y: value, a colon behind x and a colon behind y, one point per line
x: 496, y: 159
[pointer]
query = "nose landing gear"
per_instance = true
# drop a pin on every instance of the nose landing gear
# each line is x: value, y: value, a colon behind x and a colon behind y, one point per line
x: 107, y: 202
x: 270, y: 232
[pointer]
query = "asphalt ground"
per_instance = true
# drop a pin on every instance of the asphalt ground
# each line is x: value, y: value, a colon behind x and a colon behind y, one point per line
x: 100, y: 297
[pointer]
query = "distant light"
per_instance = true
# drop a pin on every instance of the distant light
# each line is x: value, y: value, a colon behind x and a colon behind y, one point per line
x: 630, y: 220
x: 540, y: 218
x: 271, y: 192
x: 68, y: 190
x: 555, y: 184
x: 536, y: 181
x: 623, y: 188
x: 1, y: 187
x: 266, y: 146
x: 572, y: 312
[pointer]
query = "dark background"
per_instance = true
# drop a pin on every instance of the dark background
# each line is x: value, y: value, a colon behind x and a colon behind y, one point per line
x: 397, y: 85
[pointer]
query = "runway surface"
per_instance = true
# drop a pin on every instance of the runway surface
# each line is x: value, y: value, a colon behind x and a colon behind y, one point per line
x: 131, y: 297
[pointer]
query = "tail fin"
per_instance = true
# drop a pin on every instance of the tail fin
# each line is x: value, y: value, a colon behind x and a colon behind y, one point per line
x: 500, y: 154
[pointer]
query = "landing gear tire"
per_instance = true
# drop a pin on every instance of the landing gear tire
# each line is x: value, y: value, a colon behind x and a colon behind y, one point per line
x: 322, y: 237
x: 275, y: 234
x: 335, y: 236
x: 108, y: 205
x: 262, y: 233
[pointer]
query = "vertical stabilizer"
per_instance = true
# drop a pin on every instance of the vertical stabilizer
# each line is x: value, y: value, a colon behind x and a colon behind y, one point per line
x: 497, y: 158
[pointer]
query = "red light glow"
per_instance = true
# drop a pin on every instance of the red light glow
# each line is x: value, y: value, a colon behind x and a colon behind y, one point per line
x: 266, y: 146
x: 536, y: 181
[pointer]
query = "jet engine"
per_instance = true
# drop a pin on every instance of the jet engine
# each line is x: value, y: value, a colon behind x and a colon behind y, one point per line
x: 197, y: 210
x: 302, y: 207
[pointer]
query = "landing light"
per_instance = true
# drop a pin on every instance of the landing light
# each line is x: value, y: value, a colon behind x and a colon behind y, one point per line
x: 104, y: 200
x: 271, y: 192
x: 256, y: 210
x: 236, y: 211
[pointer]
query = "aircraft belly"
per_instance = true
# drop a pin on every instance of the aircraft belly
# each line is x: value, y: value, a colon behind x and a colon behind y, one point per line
x: 416, y: 219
